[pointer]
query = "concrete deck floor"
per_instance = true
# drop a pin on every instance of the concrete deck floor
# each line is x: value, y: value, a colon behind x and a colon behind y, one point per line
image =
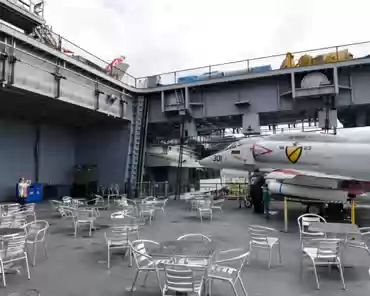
x: 77, y: 266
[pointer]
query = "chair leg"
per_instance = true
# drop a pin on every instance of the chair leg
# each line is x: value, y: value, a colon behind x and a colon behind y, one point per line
x: 250, y: 253
x: 270, y: 251
x: 242, y: 284
x: 234, y: 289
x: 159, y: 280
x: 341, y: 275
x: 279, y: 252
x: 45, y: 249
x: 76, y: 226
x: 108, y: 257
x: 368, y: 250
x: 210, y: 284
x: 3, y: 272
x: 34, y: 254
x: 317, y: 278
x: 27, y: 266
x: 130, y: 255
x: 145, y: 279
x: 134, y: 282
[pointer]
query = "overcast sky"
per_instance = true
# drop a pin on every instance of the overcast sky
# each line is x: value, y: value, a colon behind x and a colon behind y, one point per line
x: 165, y: 35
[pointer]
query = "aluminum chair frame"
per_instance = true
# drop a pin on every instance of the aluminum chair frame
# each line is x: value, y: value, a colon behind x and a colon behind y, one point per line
x: 205, y: 210
x: 306, y: 220
x: 221, y: 271
x: 360, y: 243
x: 194, y: 235
x: 194, y: 261
x: 39, y: 235
x: 89, y: 219
x: 147, y: 211
x: 218, y: 204
x: 119, y: 238
x: 326, y: 253
x: 181, y: 278
x: 149, y: 264
x: 261, y: 239
x: 16, y: 246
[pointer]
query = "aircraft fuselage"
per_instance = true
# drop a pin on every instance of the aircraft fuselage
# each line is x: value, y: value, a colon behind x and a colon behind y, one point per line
x: 304, y: 151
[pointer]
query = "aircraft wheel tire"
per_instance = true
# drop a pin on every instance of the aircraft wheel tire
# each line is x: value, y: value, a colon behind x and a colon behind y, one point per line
x: 248, y: 204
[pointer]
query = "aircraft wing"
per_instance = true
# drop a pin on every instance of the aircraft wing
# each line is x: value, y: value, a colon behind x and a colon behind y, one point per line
x: 316, y: 179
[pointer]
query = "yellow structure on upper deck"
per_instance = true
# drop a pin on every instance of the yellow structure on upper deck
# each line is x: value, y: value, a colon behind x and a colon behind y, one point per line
x: 308, y: 60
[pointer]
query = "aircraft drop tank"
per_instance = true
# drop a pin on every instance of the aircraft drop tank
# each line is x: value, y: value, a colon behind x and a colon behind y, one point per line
x: 307, y: 192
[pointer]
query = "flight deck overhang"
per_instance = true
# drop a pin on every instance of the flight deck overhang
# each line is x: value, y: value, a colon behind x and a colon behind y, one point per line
x: 251, y: 75
x: 132, y: 87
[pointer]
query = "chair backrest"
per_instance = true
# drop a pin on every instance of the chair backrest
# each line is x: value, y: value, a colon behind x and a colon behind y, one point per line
x: 162, y: 203
x: 98, y: 199
x: 9, y: 209
x: 118, y: 233
x: 37, y: 229
x: 29, y: 207
x: 14, y: 246
x: 258, y: 234
x: 179, y: 278
x: 29, y: 215
x: 196, y: 236
x: 15, y: 220
x: 84, y: 215
x: 67, y: 200
x: 305, y: 220
x: 140, y: 253
x: 218, y: 202
x: 327, y: 248
x: 67, y: 211
x: 118, y: 215
x: 56, y: 204
x: 238, y: 260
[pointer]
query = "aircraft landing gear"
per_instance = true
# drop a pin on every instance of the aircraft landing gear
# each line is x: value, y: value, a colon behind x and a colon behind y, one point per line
x: 247, y: 202
x: 335, y: 212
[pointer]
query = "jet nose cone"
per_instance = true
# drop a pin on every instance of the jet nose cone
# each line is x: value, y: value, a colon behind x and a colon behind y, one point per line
x: 206, y: 162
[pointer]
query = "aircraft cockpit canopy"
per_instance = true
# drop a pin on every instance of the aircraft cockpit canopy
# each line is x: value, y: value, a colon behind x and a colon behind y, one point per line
x: 233, y: 145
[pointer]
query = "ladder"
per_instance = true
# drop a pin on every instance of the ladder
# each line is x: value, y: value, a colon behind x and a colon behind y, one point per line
x: 180, y: 98
x: 136, y: 155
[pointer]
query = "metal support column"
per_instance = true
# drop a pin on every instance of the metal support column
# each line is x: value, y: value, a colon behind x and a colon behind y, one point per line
x: 180, y: 161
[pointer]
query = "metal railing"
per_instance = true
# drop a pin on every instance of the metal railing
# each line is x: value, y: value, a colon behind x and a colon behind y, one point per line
x: 230, y: 190
x: 143, y: 189
x: 259, y: 64
x: 74, y: 51
x: 209, y: 72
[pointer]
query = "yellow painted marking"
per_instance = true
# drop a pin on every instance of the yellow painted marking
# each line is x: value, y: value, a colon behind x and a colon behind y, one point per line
x: 293, y: 153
